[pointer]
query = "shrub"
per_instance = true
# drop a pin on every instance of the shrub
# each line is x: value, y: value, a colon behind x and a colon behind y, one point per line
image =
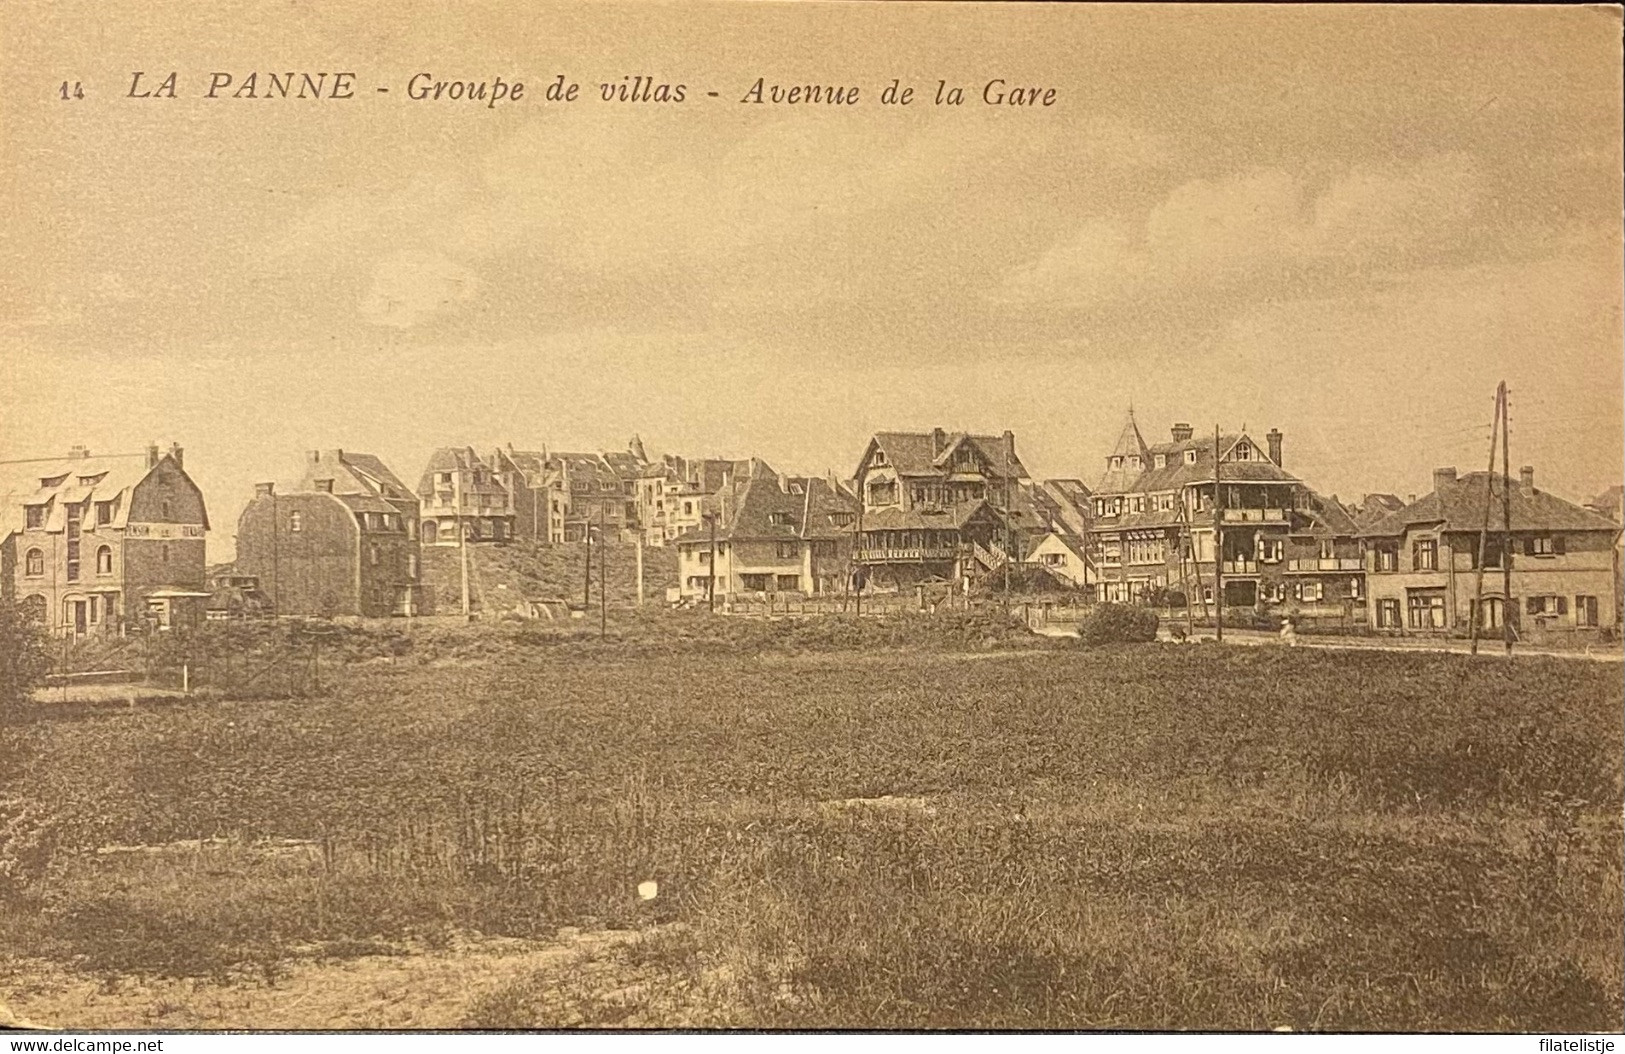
x: 1118, y: 623
x: 24, y: 659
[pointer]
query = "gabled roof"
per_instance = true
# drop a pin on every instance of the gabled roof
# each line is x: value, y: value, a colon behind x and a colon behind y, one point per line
x: 931, y: 453
x: 1460, y: 506
x: 937, y: 518
x: 21, y: 484
x: 1179, y: 471
x: 802, y: 504
x: 458, y: 460
x: 354, y: 473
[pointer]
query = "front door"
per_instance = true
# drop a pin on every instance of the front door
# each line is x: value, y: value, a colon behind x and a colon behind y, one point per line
x: 80, y: 615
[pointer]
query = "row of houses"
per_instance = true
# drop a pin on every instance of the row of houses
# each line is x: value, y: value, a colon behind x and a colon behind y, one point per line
x: 98, y: 543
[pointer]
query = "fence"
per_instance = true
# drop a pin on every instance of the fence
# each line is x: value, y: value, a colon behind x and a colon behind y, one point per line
x: 269, y: 662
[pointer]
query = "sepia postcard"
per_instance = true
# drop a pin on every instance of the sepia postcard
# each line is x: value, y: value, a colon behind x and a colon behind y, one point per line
x: 810, y: 516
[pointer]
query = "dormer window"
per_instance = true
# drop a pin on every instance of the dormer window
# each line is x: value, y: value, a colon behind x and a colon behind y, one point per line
x: 1160, y: 460
x: 1134, y: 462
x: 781, y: 519
x: 36, y: 517
x: 880, y: 457
x: 1243, y: 452
x: 52, y: 482
x: 1190, y: 457
x: 91, y: 481
x: 1117, y: 461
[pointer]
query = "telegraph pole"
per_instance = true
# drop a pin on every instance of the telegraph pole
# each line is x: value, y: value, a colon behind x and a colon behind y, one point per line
x: 1218, y: 543
x: 603, y: 575
x: 586, y: 581
x: 1507, y: 610
x: 711, y: 581
x: 640, y: 566
x: 1484, y: 531
x: 462, y: 540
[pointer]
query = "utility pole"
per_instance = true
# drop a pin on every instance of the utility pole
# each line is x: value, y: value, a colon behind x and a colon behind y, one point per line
x: 857, y: 575
x: 1484, y: 531
x: 1218, y: 543
x: 640, y: 567
x: 462, y: 540
x: 1507, y: 608
x: 603, y: 575
x: 586, y: 582
x: 1009, y: 548
x: 711, y: 581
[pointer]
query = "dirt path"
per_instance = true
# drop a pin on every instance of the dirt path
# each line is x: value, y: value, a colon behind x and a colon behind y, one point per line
x: 421, y: 990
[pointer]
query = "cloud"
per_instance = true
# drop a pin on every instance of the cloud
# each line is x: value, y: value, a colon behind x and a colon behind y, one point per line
x: 413, y: 286
x: 1262, y: 233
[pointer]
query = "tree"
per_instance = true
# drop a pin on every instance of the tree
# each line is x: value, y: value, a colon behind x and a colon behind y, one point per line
x: 24, y: 656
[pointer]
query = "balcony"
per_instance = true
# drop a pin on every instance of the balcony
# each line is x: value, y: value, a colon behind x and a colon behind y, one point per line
x: 1341, y: 563
x: 1253, y: 515
x: 1241, y: 567
x: 892, y: 556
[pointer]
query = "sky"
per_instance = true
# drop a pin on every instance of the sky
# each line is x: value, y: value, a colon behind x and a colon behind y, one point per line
x: 1346, y: 223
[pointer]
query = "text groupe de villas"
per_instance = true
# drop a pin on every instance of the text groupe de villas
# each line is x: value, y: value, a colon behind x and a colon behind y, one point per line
x: 425, y: 86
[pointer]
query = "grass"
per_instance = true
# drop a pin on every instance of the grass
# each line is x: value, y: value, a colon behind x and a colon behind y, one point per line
x: 956, y: 835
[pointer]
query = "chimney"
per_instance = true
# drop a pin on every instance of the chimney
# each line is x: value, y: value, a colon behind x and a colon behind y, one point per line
x: 1009, y: 447
x: 178, y: 454
x: 1443, y: 477
x: 1526, y: 476
x: 325, y: 485
x: 78, y: 451
x: 152, y: 455
x: 265, y: 490
x: 313, y: 456
x: 939, y: 439
x: 1410, y: 499
x: 1182, y: 432
x: 1274, y: 439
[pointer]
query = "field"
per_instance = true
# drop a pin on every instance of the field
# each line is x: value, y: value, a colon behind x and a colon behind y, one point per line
x: 845, y: 832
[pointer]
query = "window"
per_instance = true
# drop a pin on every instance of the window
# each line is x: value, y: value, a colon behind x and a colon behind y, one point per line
x: 1356, y: 589
x: 295, y: 523
x: 781, y: 519
x: 1549, y: 605
x: 1159, y: 460
x: 165, y: 506
x: 163, y: 553
x: 789, y: 583
x: 372, y: 555
x: 1425, y: 609
x: 1244, y: 452
x: 1425, y: 554
x: 1270, y: 550
x: 104, y: 513
x: 1388, y: 614
x: 1117, y: 462
x: 840, y: 519
x: 1312, y: 592
x: 104, y: 560
x: 1190, y: 457
x: 788, y: 550
x: 1328, y: 549
x: 36, y: 517
x: 34, y: 563
x: 1544, y: 545
x: 1054, y: 559
x: 1387, y: 557
x: 1585, y: 611
x: 688, y: 508
x: 95, y: 609
x: 411, y: 565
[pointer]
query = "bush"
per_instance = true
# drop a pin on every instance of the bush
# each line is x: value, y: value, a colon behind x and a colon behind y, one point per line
x: 24, y: 658
x: 1118, y: 624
